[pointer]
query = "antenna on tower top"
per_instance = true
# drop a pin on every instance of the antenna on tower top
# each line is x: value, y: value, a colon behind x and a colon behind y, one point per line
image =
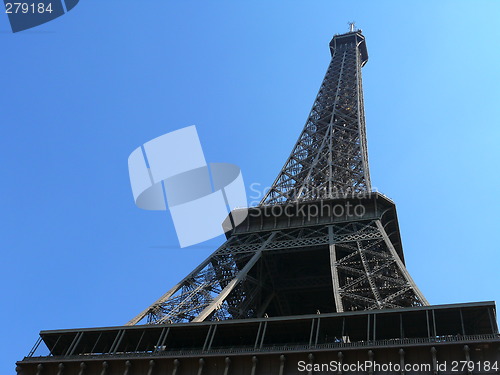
x: 352, y: 26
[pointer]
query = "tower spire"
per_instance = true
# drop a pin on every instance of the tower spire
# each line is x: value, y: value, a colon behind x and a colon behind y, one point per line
x: 330, y: 158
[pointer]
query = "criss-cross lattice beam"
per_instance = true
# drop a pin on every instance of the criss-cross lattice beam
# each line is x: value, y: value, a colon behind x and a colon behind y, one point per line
x: 369, y: 274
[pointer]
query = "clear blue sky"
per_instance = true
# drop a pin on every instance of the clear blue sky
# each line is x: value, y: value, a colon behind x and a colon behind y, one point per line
x: 80, y: 93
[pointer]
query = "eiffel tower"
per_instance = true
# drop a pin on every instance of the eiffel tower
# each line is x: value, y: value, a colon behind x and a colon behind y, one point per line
x: 315, y: 274
x: 320, y: 240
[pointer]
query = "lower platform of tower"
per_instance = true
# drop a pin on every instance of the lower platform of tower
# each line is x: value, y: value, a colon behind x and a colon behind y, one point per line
x: 441, y: 339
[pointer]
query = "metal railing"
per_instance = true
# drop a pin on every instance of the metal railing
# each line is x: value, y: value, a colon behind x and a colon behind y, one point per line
x: 287, y: 347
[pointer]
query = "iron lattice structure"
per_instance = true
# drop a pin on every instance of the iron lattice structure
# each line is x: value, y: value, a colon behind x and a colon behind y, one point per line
x: 330, y: 157
x: 296, y: 253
